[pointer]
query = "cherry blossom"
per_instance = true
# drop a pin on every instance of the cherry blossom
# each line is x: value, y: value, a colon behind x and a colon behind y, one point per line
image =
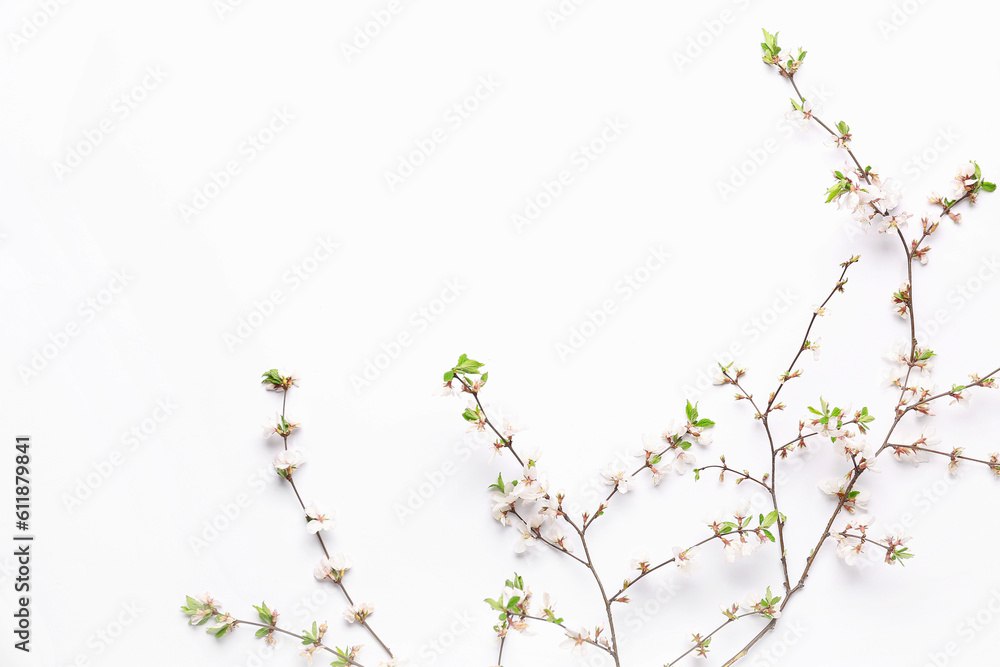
x: 576, y: 641
x: 618, y: 478
x: 318, y: 519
x: 964, y: 181
x: 800, y: 117
x: 640, y: 561
x: 856, y: 499
x: 684, y: 558
x: 288, y: 460
x: 358, y: 612
x: 333, y: 568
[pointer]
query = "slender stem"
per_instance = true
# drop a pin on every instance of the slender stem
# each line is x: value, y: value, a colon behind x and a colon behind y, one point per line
x: 588, y: 563
x: 991, y: 464
x: 745, y: 475
x: 538, y: 535
x: 551, y: 622
x: 508, y: 442
x: 770, y: 440
x: 322, y: 543
x: 900, y: 413
x: 709, y: 635
x: 746, y: 649
x: 600, y: 586
x: 654, y: 568
x: 839, y: 287
x: 299, y: 637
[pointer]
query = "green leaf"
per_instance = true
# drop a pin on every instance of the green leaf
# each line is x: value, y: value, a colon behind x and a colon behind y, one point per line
x: 704, y: 423
x: 989, y: 187
x: 843, y: 127
x: 499, y: 486
x: 834, y: 191
x: 263, y: 612
x: 692, y: 412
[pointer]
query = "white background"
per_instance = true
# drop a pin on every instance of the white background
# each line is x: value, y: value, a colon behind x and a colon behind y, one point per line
x: 902, y: 79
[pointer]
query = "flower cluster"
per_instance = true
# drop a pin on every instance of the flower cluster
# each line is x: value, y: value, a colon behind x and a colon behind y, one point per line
x: 674, y: 442
x: 739, y: 537
x: 864, y: 194
x: 542, y: 519
x: 359, y: 612
x: 318, y: 521
x: 333, y: 568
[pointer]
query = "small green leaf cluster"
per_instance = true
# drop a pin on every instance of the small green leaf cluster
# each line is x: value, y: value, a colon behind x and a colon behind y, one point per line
x: 270, y: 618
x: 276, y: 380
x: 975, y: 188
x: 464, y: 368
x: 767, y: 607
x: 693, y: 419
x: 199, y: 611
x: 772, y: 55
